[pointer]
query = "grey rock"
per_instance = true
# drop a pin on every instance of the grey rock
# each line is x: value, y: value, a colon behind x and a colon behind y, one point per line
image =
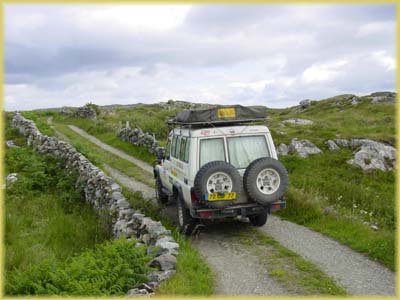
x: 381, y: 97
x: 332, y: 145
x: 136, y: 292
x: 282, y: 150
x: 11, y: 144
x: 342, y: 142
x: 12, y: 177
x: 303, y: 148
x: 372, y: 155
x: 164, y: 262
x: 298, y: 121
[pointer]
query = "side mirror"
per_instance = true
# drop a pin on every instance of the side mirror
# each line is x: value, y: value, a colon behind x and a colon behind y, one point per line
x: 160, y: 154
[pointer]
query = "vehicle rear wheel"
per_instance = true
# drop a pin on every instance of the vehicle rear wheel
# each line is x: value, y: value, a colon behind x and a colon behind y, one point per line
x: 161, y: 197
x: 259, y: 220
x: 185, y: 221
x: 265, y: 180
x: 217, y: 177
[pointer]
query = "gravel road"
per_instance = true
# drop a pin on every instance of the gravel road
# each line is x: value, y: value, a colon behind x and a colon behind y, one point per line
x: 357, y: 274
x: 131, y: 184
x: 145, y: 166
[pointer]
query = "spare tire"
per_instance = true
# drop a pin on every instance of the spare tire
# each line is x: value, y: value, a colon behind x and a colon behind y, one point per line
x: 217, y: 177
x: 265, y: 180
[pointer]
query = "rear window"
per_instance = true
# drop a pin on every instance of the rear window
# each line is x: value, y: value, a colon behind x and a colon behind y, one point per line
x: 244, y: 149
x: 211, y: 149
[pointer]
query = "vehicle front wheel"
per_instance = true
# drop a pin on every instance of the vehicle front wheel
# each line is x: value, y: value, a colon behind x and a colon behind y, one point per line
x: 258, y: 220
x: 185, y: 221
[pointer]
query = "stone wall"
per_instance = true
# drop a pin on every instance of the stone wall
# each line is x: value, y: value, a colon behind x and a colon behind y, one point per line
x: 105, y: 195
x: 137, y: 137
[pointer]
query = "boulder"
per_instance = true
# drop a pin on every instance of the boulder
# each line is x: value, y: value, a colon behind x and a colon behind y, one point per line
x: 303, y: 148
x: 164, y: 262
x: 373, y: 155
x: 11, y: 144
x: 332, y: 145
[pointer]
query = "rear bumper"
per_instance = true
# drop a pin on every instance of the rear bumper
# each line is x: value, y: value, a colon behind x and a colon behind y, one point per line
x: 243, y: 210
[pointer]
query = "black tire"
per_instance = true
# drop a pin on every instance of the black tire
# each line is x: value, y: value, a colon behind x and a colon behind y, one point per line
x: 186, y: 223
x: 211, y: 168
x: 272, y: 187
x: 259, y: 220
x: 161, y: 197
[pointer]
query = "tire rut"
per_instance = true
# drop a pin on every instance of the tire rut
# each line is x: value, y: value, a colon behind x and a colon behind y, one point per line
x: 356, y: 273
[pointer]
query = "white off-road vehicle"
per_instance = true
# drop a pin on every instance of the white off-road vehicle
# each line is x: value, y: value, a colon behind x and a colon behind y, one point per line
x: 218, y: 164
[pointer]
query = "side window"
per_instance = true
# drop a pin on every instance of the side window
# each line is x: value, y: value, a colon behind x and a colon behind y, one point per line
x: 182, y: 150
x: 177, y: 147
x: 186, y: 156
x: 173, y: 145
x: 168, y: 148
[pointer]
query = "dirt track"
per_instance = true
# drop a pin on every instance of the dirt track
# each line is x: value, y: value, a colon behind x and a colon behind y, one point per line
x: 357, y: 274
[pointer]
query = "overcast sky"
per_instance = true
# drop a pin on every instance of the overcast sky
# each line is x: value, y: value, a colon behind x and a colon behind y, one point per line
x: 273, y: 55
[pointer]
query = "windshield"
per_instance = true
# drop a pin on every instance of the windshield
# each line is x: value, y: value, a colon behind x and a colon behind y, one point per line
x: 244, y: 149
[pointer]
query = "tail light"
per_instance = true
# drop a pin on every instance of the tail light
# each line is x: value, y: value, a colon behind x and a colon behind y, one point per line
x: 194, y: 198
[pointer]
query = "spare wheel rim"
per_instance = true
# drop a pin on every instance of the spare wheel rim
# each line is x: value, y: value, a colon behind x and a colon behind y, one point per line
x: 219, y: 182
x: 268, y: 181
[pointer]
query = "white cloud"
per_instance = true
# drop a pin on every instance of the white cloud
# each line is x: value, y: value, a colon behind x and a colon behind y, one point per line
x: 385, y: 60
x: 376, y: 28
x: 323, y: 71
x: 274, y: 55
x: 133, y: 17
x: 257, y: 86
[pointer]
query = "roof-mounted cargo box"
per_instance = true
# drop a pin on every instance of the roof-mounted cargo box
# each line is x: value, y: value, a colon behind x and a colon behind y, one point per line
x: 220, y: 115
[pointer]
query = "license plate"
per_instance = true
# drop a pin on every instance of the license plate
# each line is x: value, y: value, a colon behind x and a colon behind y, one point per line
x: 219, y: 197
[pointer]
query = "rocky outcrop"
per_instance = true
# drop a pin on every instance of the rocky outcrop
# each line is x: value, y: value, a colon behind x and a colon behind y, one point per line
x: 105, y: 195
x: 137, y: 137
x: 297, y: 121
x: 369, y: 154
x: 303, y: 148
x: 382, y: 97
x: 87, y: 112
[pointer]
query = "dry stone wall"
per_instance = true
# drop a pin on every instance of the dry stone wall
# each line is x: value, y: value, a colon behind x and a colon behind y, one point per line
x: 137, y: 137
x: 105, y: 195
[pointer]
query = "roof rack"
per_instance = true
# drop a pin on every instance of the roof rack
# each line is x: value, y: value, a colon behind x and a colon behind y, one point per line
x: 214, y: 123
x: 219, y: 116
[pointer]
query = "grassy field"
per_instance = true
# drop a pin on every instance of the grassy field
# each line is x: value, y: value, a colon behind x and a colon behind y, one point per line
x: 325, y: 193
x: 55, y: 242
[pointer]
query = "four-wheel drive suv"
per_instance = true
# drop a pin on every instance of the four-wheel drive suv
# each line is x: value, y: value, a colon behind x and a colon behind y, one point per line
x: 217, y: 165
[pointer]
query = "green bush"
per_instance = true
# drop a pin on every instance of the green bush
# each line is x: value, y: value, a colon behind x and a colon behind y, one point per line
x: 111, y: 268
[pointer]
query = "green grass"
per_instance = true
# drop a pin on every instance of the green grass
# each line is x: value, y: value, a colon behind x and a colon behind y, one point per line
x: 289, y: 269
x: 111, y: 268
x: 99, y: 156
